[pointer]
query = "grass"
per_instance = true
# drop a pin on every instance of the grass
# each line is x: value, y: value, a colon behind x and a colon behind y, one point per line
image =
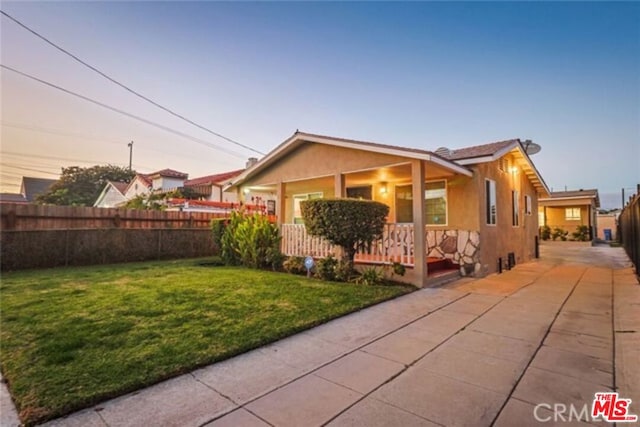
x: 73, y: 337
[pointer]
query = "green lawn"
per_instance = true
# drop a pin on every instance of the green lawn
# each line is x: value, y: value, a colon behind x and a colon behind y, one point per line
x: 75, y: 336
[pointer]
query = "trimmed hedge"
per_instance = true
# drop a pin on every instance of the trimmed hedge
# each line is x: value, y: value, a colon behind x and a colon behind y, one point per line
x: 349, y: 223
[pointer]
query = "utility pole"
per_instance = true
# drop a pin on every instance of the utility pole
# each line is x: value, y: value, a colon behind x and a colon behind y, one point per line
x: 130, y: 145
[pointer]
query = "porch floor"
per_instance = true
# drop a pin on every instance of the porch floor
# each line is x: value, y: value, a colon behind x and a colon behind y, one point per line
x: 434, y: 265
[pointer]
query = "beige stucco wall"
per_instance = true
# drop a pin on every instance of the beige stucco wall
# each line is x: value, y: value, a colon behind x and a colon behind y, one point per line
x: 318, y: 160
x: 555, y: 217
x: 498, y: 240
x: 607, y: 221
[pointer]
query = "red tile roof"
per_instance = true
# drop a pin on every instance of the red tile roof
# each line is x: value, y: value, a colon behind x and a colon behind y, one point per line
x: 146, y: 178
x: 478, y: 150
x: 220, y: 178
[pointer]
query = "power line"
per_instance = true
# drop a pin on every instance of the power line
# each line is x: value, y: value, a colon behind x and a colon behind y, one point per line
x: 51, y: 131
x: 128, y: 89
x: 133, y: 116
x: 31, y: 170
x: 66, y: 159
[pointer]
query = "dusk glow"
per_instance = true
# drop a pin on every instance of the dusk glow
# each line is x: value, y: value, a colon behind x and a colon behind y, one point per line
x: 426, y: 75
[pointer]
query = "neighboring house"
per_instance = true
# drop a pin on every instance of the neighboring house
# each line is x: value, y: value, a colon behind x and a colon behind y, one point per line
x: 607, y: 225
x: 139, y: 185
x: 13, y: 198
x: 476, y: 206
x: 569, y: 209
x: 209, y: 187
x: 32, y: 187
x: 161, y: 181
x: 112, y: 195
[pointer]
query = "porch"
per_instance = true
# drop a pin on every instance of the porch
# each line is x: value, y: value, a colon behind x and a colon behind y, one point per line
x: 445, y: 249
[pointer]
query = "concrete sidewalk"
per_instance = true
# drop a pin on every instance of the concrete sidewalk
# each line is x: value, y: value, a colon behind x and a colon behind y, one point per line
x: 475, y: 352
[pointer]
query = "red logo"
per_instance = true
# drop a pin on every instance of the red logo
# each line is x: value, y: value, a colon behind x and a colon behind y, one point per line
x: 612, y: 408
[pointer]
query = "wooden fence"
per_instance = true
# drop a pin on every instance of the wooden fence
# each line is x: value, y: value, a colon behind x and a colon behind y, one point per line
x: 44, y: 217
x: 629, y: 229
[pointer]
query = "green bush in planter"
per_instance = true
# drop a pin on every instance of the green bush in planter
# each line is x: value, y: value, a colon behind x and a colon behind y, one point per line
x: 349, y: 223
x: 252, y: 241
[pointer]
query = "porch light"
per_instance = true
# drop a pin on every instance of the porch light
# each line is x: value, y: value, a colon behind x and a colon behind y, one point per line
x: 246, y: 190
x: 383, y: 188
x: 513, y: 169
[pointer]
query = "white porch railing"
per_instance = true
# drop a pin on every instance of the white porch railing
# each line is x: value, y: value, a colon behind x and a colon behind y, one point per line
x: 396, y: 244
x: 297, y: 242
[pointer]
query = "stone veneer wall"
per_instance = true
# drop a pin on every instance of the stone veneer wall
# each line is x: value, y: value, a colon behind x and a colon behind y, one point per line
x: 460, y: 246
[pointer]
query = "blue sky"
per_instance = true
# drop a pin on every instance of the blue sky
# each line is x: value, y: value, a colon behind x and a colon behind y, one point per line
x: 566, y: 75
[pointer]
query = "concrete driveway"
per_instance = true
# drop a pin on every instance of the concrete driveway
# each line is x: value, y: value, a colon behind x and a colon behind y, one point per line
x: 528, y: 347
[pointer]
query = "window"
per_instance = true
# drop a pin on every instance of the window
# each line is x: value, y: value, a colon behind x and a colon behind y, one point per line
x: 435, y: 199
x: 362, y: 193
x: 572, y: 214
x: 490, y: 201
x: 435, y: 196
x: 297, y: 212
x: 527, y: 205
x: 515, y: 208
x: 404, y: 203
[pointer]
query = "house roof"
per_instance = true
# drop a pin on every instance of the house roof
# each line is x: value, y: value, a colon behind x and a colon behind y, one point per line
x: 120, y: 186
x: 480, y: 150
x: 32, y: 187
x: 299, y: 138
x: 12, y: 198
x: 574, y: 195
x: 168, y: 173
x: 145, y: 178
x: 216, y: 179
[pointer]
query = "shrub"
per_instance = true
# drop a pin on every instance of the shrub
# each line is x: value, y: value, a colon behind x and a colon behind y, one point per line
x: 581, y: 234
x: 294, y: 265
x: 545, y: 232
x: 217, y: 229
x: 398, y: 269
x: 559, y: 233
x: 251, y: 240
x: 349, y: 223
x: 326, y: 268
x: 344, y: 271
x: 371, y: 276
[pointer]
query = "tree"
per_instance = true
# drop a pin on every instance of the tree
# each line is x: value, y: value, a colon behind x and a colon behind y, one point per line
x: 349, y: 223
x: 81, y: 186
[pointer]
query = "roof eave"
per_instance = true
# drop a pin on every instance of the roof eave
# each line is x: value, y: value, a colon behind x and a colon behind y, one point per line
x: 299, y: 137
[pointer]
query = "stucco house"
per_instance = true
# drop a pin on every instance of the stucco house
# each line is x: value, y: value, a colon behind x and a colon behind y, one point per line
x: 209, y: 187
x: 569, y: 209
x: 115, y: 194
x: 112, y: 195
x: 474, y: 206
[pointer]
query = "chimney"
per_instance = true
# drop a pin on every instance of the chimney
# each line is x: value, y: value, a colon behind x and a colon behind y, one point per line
x: 251, y: 161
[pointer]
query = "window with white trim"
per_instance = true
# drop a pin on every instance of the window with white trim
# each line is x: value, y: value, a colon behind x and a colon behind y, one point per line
x: 528, y: 205
x: 572, y: 214
x: 297, y: 198
x: 515, y: 208
x: 490, y: 201
x: 435, y: 203
x: 435, y: 197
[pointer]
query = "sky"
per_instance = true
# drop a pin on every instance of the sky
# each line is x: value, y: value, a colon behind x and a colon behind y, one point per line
x: 424, y: 75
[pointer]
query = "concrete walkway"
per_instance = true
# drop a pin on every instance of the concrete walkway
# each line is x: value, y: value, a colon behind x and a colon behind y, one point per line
x: 475, y: 352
